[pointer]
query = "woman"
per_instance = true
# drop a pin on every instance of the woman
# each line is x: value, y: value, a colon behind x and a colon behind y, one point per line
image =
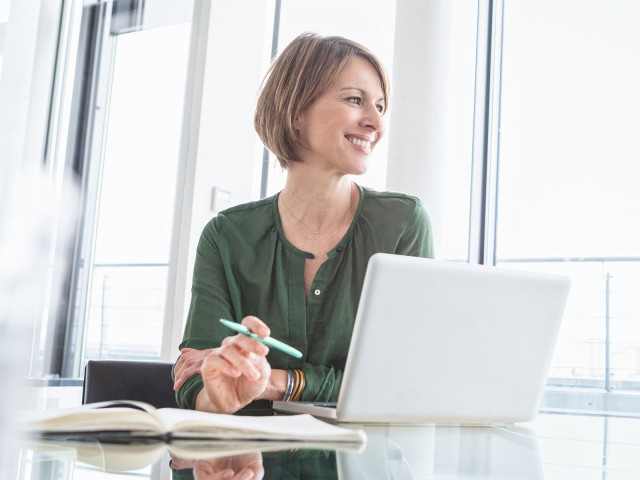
x: 292, y: 266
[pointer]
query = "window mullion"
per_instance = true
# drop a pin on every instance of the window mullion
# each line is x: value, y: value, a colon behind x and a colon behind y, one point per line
x: 484, y: 191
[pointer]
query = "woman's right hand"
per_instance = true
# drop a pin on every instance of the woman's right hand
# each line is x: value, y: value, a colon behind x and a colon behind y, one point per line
x: 246, y: 466
x: 237, y: 372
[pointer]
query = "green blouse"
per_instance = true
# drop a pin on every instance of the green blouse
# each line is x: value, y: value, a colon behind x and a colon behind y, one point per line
x: 245, y: 266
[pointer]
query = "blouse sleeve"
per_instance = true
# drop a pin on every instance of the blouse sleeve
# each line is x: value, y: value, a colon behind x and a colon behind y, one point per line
x: 322, y: 383
x: 417, y: 238
x: 210, y: 301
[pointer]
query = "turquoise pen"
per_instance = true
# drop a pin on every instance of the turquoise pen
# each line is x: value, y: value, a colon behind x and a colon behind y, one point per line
x: 269, y: 342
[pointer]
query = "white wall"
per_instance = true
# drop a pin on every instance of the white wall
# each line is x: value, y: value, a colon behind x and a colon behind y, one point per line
x: 420, y: 82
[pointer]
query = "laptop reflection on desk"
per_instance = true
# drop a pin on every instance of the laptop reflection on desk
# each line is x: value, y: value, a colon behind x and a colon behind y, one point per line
x: 420, y: 452
x: 447, y: 342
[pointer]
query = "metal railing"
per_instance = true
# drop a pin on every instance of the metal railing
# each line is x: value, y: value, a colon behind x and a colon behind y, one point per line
x: 126, y: 312
x: 607, y: 376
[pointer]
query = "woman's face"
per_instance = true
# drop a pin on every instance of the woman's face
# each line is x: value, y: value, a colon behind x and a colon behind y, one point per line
x: 343, y: 125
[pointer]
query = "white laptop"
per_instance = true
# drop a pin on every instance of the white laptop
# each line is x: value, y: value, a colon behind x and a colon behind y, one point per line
x: 447, y: 342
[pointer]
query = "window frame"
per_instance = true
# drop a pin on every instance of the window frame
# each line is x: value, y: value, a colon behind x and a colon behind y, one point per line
x: 581, y: 394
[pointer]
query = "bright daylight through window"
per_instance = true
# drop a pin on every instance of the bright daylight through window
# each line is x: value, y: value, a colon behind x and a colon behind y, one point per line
x: 568, y: 196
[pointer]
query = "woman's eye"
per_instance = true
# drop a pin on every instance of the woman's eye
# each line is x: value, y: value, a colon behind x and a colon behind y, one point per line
x: 380, y: 108
x: 355, y: 100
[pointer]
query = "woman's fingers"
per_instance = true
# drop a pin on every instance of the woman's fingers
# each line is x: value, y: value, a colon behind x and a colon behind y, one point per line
x: 188, y: 364
x: 241, y: 362
x: 248, y: 345
x: 238, y: 355
x: 232, y: 379
x: 215, y: 365
x: 233, y: 362
x: 257, y: 326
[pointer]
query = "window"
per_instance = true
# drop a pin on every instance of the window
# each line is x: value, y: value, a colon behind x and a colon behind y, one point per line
x: 137, y: 189
x: 121, y: 264
x: 452, y: 234
x: 567, y: 193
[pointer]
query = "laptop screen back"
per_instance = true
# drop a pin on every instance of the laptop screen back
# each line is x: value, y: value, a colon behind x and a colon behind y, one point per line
x: 450, y: 342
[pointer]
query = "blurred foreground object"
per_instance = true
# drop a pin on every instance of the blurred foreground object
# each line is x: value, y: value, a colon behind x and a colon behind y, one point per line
x: 36, y: 220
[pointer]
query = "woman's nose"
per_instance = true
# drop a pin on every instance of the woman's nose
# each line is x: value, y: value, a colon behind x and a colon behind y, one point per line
x: 372, y: 118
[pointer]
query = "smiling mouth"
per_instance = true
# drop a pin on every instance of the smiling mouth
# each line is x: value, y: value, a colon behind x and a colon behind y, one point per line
x: 359, y: 142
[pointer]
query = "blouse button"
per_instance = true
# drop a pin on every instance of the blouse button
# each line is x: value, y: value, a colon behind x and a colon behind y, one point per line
x: 339, y: 249
x: 317, y: 292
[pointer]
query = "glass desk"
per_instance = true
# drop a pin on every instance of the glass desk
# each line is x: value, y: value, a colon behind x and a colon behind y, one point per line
x: 553, y: 447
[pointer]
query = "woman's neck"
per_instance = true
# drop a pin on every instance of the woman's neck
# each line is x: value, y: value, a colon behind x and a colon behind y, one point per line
x: 318, y: 207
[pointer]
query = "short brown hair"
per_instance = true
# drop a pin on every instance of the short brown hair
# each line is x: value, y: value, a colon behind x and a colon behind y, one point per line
x: 302, y: 72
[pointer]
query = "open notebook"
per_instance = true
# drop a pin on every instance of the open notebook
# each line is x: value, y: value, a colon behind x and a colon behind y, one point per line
x: 447, y: 342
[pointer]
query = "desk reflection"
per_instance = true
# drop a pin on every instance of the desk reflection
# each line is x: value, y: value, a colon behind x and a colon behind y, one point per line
x: 554, y: 447
x: 284, y: 464
x: 392, y: 452
x: 429, y: 452
x: 399, y: 452
x: 248, y: 465
x: 488, y: 452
